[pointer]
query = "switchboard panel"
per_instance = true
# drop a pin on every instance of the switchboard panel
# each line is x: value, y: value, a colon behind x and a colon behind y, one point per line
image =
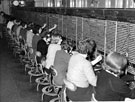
x: 53, y: 19
x: 79, y: 29
x: 71, y: 27
x: 122, y: 37
x: 131, y: 43
x: 111, y: 32
x: 60, y: 23
x: 95, y: 29
x: 42, y: 18
x: 109, y: 35
x: 65, y: 26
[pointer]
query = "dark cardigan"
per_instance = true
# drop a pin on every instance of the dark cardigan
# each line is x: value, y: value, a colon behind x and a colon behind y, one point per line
x: 111, y: 88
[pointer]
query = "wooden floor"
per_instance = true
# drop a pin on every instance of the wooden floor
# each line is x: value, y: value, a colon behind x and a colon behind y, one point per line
x: 14, y: 82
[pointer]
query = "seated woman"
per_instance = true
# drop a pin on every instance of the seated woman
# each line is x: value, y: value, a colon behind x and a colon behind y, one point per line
x: 93, y: 56
x: 50, y: 51
x: 42, y: 46
x: 23, y: 31
x: 52, y: 48
x: 10, y: 25
x: 92, y: 53
x: 35, y: 39
x: 109, y: 85
x: 61, y: 63
x: 81, y: 75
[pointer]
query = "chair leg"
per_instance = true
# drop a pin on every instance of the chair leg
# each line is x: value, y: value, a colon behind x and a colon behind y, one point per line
x: 37, y: 86
x: 42, y: 98
x: 30, y: 78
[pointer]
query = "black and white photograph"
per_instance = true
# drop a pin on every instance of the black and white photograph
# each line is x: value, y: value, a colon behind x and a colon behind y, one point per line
x: 67, y: 50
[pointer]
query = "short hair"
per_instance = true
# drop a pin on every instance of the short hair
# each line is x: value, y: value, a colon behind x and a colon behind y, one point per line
x: 93, y: 46
x: 36, y: 29
x: 64, y: 45
x: 56, y: 35
x: 72, y: 45
x: 23, y: 24
x: 87, y: 46
x: 116, y: 61
x: 56, y: 38
x: 2, y: 13
x: 82, y: 47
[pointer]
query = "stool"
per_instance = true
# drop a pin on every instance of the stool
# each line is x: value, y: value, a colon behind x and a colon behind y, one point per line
x: 35, y: 72
x: 42, y: 81
x: 52, y: 89
x: 29, y: 66
x: 61, y: 96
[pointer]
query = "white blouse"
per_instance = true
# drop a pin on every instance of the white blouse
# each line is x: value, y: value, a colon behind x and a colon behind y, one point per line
x: 52, y: 49
x: 80, y: 71
x: 10, y: 24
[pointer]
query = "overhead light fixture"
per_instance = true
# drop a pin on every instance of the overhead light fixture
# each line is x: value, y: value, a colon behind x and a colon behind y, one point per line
x: 22, y: 3
x: 16, y: 3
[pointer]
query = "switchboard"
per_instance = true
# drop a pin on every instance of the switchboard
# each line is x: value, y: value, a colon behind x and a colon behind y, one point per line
x: 122, y: 37
x: 110, y: 35
x: 95, y: 29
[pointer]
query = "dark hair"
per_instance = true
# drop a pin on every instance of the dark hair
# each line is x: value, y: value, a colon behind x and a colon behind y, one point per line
x: 87, y: 47
x: 91, y: 49
x: 30, y: 26
x: 23, y: 24
x: 64, y: 45
x: 18, y: 21
x: 56, y: 38
x: 36, y: 29
x: 57, y: 35
x: 1, y: 12
x: 72, y: 45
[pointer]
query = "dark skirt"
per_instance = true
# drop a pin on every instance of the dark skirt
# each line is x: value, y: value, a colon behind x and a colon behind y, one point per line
x: 81, y: 94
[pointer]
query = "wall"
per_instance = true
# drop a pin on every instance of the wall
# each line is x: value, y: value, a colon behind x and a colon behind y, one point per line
x: 4, y: 6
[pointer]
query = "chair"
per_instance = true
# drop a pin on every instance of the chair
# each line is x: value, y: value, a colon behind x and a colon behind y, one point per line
x: 61, y: 96
x: 71, y: 86
x: 17, y: 48
x: 93, y: 98
x: 52, y: 89
x: 25, y: 59
x: 29, y: 65
x: 36, y: 71
x: 32, y: 64
x: 43, y: 80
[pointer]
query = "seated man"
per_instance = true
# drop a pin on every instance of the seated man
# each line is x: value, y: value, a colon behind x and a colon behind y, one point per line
x: 109, y: 85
